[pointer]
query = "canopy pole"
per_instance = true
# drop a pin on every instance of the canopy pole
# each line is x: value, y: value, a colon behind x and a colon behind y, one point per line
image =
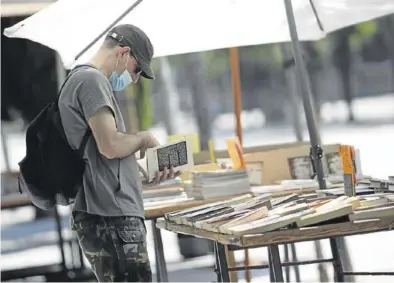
x: 236, y: 81
x: 135, y: 4
x: 303, y: 78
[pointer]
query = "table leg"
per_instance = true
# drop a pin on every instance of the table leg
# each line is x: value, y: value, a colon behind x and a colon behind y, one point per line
x: 276, y: 263
x: 161, y: 268
x: 295, y: 259
x: 345, y: 259
x: 217, y: 263
x: 271, y: 269
x: 323, y: 276
x: 336, y: 261
x: 60, y: 235
x: 223, y: 267
x: 287, y: 268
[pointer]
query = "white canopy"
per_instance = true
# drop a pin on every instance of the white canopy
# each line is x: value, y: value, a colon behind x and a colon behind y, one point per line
x: 184, y: 26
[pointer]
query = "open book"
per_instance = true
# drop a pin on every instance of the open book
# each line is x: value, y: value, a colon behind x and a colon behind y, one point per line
x: 178, y: 155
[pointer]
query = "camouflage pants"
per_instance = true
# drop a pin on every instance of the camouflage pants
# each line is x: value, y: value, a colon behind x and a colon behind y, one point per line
x: 115, y: 247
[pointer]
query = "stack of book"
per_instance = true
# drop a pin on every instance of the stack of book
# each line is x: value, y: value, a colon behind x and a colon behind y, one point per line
x: 219, y: 183
x: 168, y: 191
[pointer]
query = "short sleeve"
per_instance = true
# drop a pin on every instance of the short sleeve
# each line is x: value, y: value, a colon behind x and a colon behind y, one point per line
x: 94, y: 93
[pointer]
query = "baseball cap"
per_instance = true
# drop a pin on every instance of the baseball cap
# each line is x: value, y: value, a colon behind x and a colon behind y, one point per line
x: 139, y: 43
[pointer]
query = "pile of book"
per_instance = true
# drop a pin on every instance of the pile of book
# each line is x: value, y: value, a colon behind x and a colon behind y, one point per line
x: 167, y: 192
x: 219, y: 183
x: 249, y: 214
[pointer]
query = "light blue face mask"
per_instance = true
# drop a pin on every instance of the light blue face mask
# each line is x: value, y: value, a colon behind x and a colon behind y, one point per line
x: 120, y: 82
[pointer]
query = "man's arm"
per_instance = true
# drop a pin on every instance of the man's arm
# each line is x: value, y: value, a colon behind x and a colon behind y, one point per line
x: 94, y: 95
x: 110, y: 142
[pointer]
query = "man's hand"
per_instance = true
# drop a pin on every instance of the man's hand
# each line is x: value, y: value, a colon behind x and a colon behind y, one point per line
x: 165, y: 175
x: 149, y: 141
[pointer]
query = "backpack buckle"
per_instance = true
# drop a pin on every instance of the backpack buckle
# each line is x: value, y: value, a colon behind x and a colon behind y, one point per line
x: 75, y: 226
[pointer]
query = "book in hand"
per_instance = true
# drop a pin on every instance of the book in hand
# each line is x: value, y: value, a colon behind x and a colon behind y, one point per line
x: 178, y: 155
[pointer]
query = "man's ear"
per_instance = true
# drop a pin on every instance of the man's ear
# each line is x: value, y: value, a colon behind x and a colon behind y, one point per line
x: 125, y: 50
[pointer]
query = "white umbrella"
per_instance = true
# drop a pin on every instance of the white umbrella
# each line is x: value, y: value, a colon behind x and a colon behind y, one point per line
x: 179, y: 26
x: 76, y: 28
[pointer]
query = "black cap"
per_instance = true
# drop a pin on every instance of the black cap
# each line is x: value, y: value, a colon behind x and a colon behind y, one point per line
x: 139, y: 43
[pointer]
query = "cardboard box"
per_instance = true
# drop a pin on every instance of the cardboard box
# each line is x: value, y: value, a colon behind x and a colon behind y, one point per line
x: 204, y: 158
x: 292, y: 162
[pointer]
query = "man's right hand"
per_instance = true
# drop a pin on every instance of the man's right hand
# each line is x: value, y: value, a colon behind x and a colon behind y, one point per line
x: 148, y: 141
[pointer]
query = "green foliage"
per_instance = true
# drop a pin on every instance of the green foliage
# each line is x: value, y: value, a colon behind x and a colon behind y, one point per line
x: 216, y: 62
x: 362, y: 33
x: 144, y: 105
x: 140, y: 93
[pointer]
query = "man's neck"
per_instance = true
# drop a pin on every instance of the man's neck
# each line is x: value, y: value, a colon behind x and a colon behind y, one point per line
x: 102, y: 61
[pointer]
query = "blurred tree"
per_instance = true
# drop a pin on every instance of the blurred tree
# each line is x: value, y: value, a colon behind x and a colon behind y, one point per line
x: 313, y: 60
x: 346, y: 40
x: 342, y: 60
x: 194, y: 69
x: 256, y: 66
x: 387, y: 29
x: 169, y: 99
x: 216, y: 62
x: 293, y: 96
x: 362, y: 33
x: 142, y: 96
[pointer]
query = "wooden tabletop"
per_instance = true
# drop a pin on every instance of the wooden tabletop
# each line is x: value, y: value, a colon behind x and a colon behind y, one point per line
x: 286, y: 235
x: 14, y: 201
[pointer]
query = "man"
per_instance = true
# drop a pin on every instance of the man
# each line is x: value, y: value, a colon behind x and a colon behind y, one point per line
x: 108, y: 215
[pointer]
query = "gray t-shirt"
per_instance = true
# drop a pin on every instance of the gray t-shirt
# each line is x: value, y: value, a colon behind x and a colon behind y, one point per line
x: 111, y: 187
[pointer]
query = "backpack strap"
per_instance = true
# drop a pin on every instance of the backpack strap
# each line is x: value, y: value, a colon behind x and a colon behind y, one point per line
x: 84, y: 141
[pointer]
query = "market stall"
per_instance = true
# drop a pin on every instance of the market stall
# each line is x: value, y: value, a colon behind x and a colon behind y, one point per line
x: 314, y: 19
x: 290, y: 219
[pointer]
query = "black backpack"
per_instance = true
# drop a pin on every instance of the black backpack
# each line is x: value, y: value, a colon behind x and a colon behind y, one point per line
x: 51, y: 172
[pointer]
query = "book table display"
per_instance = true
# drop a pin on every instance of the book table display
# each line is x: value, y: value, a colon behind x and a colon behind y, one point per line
x: 250, y: 221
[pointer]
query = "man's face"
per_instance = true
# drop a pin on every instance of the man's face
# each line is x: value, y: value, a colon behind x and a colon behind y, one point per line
x: 125, y: 60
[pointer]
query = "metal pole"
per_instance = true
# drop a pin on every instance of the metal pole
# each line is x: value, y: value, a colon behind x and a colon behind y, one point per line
x: 237, y: 96
x: 223, y: 265
x: 276, y: 263
x: 124, y: 14
x: 303, y: 78
x: 236, y: 80
x: 61, y: 240
x: 161, y: 266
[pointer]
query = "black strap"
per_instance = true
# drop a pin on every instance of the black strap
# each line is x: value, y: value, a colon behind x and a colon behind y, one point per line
x: 84, y: 141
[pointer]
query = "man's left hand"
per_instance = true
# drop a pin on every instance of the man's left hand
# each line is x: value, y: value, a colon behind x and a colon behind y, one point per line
x: 165, y: 175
